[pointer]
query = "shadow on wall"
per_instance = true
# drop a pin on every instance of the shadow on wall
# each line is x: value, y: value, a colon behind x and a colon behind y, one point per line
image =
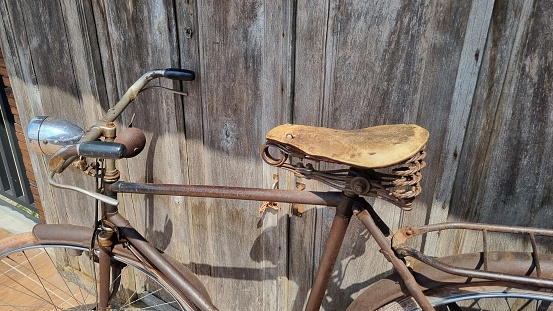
x: 338, y: 294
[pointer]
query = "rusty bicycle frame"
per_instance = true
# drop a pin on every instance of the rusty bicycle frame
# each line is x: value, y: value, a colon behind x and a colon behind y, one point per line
x: 347, y: 204
x: 346, y: 207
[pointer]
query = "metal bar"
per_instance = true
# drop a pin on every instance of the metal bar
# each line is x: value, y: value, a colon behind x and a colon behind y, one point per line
x: 471, y: 273
x: 336, y: 236
x: 104, y: 259
x: 95, y: 132
x: 386, y: 249
x: 477, y: 226
x: 238, y: 193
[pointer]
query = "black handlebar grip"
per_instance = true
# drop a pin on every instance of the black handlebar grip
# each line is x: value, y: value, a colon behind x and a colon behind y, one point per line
x: 102, y: 149
x: 179, y: 74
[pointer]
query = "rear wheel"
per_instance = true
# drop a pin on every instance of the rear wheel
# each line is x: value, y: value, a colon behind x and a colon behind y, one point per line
x: 64, y: 277
x: 481, y: 296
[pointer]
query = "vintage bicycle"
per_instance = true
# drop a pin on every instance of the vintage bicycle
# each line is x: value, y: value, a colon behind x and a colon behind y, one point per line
x: 111, y: 266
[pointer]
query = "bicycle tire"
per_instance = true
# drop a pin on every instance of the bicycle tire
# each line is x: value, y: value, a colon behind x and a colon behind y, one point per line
x: 62, y: 276
x: 492, y: 296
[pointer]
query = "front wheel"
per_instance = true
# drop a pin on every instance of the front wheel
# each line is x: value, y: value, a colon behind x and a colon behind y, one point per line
x: 64, y: 276
x: 493, y: 296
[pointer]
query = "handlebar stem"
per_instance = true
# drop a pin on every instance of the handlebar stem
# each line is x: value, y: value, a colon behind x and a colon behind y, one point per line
x: 111, y: 173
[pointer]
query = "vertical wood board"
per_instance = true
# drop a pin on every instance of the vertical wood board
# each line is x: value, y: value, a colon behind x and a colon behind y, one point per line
x: 476, y: 76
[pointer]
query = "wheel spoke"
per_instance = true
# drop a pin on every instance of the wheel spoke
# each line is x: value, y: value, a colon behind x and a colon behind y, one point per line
x: 28, y: 291
x: 34, y: 278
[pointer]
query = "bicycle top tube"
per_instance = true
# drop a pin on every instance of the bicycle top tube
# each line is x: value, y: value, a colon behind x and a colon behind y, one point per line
x: 331, y: 198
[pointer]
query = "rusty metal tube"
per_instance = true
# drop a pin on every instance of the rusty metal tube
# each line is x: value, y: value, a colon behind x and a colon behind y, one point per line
x: 104, y: 259
x: 344, y: 211
x: 408, y: 279
x: 481, y: 227
x: 472, y: 273
x: 238, y: 193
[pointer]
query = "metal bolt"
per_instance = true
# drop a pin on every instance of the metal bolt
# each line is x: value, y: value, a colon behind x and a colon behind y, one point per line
x: 360, y: 185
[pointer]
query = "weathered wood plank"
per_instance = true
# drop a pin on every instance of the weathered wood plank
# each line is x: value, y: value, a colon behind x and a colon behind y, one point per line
x: 28, y: 68
x: 510, y: 168
x: 309, y: 65
x: 461, y: 102
x: 135, y: 38
x: 198, y: 239
x: 508, y: 23
x: 239, y: 45
x: 276, y: 109
x: 384, y: 62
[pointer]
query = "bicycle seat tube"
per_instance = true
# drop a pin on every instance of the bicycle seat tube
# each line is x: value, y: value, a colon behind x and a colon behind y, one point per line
x: 340, y: 223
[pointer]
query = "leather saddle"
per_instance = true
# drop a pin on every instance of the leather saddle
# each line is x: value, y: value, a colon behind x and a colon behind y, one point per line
x: 373, y: 147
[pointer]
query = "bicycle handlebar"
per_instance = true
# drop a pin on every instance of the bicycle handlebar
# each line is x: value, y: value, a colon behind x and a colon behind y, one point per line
x: 90, y: 149
x: 132, y: 93
x: 95, y: 131
x: 179, y: 74
x: 87, y: 145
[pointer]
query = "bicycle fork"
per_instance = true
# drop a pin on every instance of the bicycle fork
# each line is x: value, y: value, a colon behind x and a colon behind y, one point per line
x: 105, y: 244
x: 354, y: 205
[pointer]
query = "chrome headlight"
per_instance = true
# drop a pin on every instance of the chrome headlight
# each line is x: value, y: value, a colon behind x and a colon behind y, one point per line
x: 48, y: 134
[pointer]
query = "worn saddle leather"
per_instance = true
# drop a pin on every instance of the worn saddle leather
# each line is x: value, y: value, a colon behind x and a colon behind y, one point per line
x: 372, y: 147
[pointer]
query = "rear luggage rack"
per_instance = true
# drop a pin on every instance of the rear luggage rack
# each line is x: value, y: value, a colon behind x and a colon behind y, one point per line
x: 543, y: 276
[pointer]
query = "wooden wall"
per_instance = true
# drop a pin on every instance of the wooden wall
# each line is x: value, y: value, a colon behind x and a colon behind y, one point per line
x: 33, y: 196
x: 476, y: 74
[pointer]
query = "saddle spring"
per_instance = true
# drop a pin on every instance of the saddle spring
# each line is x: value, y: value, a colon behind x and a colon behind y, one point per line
x: 398, y: 184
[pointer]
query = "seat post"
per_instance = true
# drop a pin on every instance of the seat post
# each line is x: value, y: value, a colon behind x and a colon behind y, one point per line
x: 344, y: 212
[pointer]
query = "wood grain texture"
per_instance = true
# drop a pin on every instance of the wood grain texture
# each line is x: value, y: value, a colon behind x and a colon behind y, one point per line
x: 477, y: 77
x: 133, y: 34
x: 507, y: 165
x: 461, y: 101
x: 47, y: 86
x: 240, y: 44
x: 405, y: 73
